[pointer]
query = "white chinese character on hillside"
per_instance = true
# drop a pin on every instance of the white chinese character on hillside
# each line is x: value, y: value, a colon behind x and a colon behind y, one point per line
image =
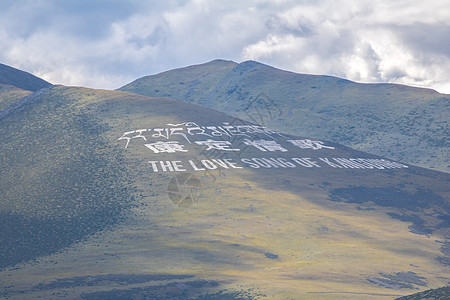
x: 218, y: 145
x: 165, y: 147
x: 308, y: 144
x: 265, y: 145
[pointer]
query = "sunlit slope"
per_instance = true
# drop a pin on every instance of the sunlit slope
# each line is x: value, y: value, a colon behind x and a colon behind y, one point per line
x: 404, y: 123
x: 10, y: 94
x: 160, y: 216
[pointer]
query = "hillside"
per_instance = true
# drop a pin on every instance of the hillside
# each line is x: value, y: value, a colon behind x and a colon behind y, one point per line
x: 10, y: 94
x: 16, y: 84
x: 400, y: 122
x: 113, y: 195
x: 20, y: 79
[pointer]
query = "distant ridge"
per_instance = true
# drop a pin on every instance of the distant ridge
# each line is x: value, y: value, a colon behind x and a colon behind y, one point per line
x: 396, y: 121
x: 21, y: 79
x: 442, y: 293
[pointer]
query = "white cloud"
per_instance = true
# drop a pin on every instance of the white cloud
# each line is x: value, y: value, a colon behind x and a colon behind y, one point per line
x: 108, y: 44
x: 362, y: 41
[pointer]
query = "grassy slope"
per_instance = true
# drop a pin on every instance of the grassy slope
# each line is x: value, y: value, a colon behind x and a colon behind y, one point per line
x: 16, y: 84
x: 10, y: 94
x: 404, y: 123
x: 55, y: 185
x: 66, y: 176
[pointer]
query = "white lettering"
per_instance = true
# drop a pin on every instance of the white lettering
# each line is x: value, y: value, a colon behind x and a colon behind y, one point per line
x: 250, y: 163
x: 306, y: 162
x: 178, y: 166
x: 154, y: 167
x: 208, y: 164
x: 166, y: 165
x: 327, y: 161
x: 232, y: 164
x: 191, y: 162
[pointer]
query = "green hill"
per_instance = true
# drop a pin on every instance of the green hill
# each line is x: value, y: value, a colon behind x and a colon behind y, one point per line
x: 114, y: 195
x: 400, y: 122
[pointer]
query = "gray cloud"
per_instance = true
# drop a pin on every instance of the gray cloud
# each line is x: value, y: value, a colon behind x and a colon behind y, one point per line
x: 426, y: 38
x: 106, y: 44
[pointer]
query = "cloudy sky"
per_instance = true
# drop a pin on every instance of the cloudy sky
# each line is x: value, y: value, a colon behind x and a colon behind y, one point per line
x: 108, y: 43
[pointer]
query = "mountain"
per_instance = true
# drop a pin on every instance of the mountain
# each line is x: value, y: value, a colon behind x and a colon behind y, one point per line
x: 16, y: 84
x: 114, y: 195
x: 21, y: 79
x: 396, y: 121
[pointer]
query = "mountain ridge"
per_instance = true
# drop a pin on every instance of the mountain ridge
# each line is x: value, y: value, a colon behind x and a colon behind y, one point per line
x: 21, y: 79
x: 410, y: 122
x: 15, y: 85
